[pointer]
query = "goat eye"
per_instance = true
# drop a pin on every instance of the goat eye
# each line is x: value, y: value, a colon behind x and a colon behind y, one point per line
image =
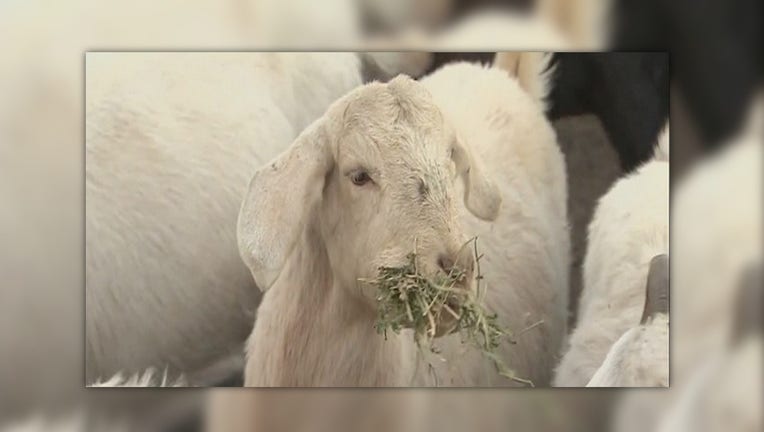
x: 360, y: 178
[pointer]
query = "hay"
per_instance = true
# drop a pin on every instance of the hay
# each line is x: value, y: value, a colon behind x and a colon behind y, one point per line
x: 408, y: 299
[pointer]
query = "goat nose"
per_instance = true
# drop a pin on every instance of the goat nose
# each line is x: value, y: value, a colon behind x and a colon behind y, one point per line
x: 445, y: 263
x: 453, y: 262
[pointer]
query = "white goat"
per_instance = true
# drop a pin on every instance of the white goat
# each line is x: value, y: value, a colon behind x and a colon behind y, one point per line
x: 171, y: 140
x: 640, y: 358
x: 372, y: 178
x: 629, y: 228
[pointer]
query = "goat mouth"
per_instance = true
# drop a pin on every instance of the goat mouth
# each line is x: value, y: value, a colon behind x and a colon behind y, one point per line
x: 449, y: 318
x: 453, y: 307
x: 430, y: 303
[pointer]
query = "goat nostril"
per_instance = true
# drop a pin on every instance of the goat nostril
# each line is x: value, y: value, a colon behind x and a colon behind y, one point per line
x: 445, y: 263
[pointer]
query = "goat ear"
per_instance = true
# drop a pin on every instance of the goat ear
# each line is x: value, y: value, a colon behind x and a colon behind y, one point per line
x: 277, y: 202
x: 657, y: 289
x: 480, y: 193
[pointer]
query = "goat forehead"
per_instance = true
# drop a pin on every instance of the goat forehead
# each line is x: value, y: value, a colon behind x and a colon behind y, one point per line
x: 401, y: 107
x: 397, y: 126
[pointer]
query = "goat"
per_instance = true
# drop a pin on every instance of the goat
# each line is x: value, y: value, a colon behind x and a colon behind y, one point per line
x: 629, y: 228
x: 372, y: 178
x: 639, y: 358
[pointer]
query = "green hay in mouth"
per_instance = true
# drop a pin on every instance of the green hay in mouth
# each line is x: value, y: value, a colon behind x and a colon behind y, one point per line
x: 408, y: 299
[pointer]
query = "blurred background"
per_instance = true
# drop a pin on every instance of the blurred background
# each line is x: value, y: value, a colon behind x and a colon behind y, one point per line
x: 714, y: 84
